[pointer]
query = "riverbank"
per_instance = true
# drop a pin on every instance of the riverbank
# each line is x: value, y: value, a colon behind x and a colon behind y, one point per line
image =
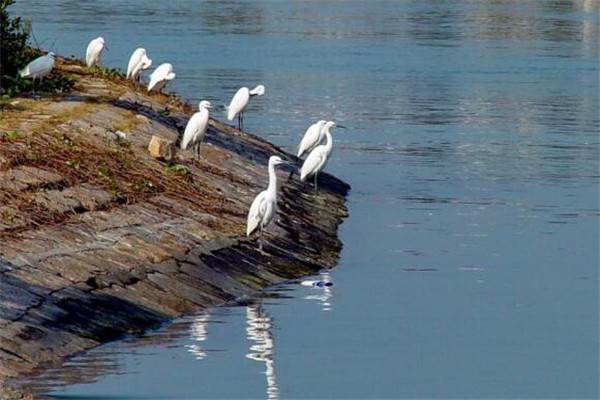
x: 100, y: 240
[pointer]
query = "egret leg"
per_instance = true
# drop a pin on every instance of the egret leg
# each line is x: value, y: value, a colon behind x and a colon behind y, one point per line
x: 198, y: 151
x: 316, y: 190
x: 260, y: 239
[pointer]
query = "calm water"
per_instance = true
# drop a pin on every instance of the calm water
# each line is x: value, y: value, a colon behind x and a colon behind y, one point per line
x: 470, y: 266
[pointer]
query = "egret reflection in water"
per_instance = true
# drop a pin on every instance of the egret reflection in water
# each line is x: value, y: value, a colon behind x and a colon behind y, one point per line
x: 199, y: 334
x: 258, y: 330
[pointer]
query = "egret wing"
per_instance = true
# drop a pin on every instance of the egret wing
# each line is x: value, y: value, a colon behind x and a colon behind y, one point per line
x: 310, y: 139
x: 134, y: 62
x: 313, y: 162
x: 191, y: 129
x: 160, y: 75
x: 256, y: 213
x: 38, y: 67
x: 93, y: 52
x: 156, y: 77
x: 238, y: 102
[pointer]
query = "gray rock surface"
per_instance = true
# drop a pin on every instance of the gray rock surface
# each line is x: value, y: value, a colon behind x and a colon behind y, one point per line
x: 99, y: 240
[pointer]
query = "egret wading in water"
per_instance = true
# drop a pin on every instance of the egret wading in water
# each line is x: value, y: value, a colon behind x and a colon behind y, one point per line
x: 38, y: 69
x: 196, y: 128
x: 317, y: 159
x: 240, y: 101
x: 311, y: 139
x: 94, y: 51
x: 138, y: 62
x: 264, y: 206
x: 161, y: 76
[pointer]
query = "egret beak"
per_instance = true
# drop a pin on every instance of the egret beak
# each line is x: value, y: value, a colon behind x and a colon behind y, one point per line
x: 340, y: 126
x: 288, y: 163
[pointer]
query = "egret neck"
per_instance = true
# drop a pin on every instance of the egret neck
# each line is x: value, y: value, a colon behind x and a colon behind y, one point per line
x: 272, y: 188
x: 328, y: 142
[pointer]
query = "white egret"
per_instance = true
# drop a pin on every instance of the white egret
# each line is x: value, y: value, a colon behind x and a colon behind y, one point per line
x: 264, y: 206
x: 317, y: 159
x: 196, y: 128
x: 313, y: 136
x: 161, y: 75
x: 138, y: 62
x: 94, y: 51
x: 38, y: 68
x: 240, y: 101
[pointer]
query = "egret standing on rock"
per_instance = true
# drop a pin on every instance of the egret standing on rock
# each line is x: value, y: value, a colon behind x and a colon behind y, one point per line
x: 317, y: 159
x: 196, y: 128
x: 264, y: 205
x: 313, y: 136
x: 161, y: 75
x: 240, y: 101
x: 94, y: 51
x: 38, y: 68
x: 138, y: 62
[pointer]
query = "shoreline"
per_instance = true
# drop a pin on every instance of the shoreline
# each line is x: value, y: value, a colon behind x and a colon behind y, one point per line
x: 100, y: 240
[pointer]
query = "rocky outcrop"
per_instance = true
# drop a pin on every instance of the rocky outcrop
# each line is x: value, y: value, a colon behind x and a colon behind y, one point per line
x: 98, y: 239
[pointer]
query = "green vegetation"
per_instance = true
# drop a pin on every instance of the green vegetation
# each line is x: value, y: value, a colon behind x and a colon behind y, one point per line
x: 113, y: 74
x: 9, y: 136
x: 16, y: 54
x: 177, y: 169
x: 104, y: 172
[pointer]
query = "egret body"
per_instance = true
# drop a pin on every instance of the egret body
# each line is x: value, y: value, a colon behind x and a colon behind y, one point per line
x: 317, y: 159
x: 38, y: 68
x: 264, y: 206
x: 94, y: 51
x: 161, y: 75
x: 138, y: 62
x: 196, y: 128
x: 240, y: 101
x: 313, y: 136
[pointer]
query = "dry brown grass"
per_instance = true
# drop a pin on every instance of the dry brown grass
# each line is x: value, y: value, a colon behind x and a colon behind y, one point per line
x: 117, y: 170
x: 114, y: 166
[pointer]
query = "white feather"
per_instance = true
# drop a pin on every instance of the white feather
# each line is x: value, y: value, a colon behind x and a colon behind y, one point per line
x: 314, y: 163
x: 138, y: 62
x: 264, y: 206
x: 238, y: 103
x: 39, y: 67
x: 94, y: 51
x: 161, y: 76
x: 317, y: 159
x: 313, y: 136
x: 257, y: 213
x: 196, y: 126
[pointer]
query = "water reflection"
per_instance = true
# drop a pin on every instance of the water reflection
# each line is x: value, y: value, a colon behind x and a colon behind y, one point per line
x: 323, y: 294
x: 199, y: 333
x: 259, y: 330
